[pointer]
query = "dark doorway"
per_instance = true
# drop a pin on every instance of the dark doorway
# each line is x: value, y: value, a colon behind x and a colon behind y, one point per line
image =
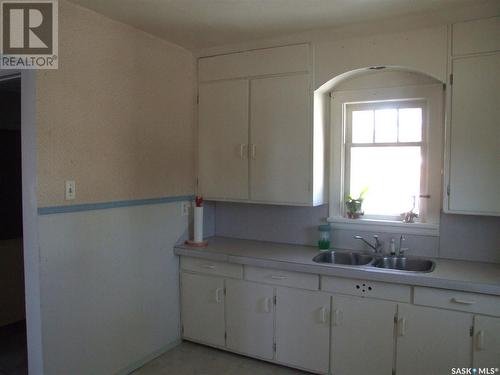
x: 13, y: 353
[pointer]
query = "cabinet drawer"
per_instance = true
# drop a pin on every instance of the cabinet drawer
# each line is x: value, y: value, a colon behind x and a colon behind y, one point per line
x: 212, y: 268
x: 462, y: 301
x: 283, y: 278
x: 363, y: 288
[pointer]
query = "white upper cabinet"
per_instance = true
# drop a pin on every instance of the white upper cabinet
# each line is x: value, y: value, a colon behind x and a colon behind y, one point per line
x: 476, y: 36
x: 279, y: 60
x: 223, y: 139
x: 280, y: 139
x: 473, y: 131
x: 257, y: 139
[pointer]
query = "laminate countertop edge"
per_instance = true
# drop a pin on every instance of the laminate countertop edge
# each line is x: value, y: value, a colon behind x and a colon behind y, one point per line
x: 459, y: 275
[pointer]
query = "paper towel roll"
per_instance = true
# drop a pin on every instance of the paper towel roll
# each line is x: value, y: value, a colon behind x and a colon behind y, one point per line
x: 198, y: 224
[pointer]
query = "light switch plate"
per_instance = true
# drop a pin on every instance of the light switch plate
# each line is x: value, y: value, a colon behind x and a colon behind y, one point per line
x: 70, y: 193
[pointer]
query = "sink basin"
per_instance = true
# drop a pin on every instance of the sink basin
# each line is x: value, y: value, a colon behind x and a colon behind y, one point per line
x: 343, y: 257
x: 405, y: 264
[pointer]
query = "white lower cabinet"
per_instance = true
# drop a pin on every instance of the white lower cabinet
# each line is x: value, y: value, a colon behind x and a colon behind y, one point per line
x: 303, y: 329
x: 486, y: 342
x: 362, y: 336
x: 250, y: 318
x: 269, y: 315
x: 432, y: 341
x: 202, y: 303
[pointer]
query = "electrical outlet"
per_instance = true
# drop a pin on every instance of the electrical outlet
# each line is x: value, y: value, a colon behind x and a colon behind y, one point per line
x: 70, y: 190
x: 185, y: 206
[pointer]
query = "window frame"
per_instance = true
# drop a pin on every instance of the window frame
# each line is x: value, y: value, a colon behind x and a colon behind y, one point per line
x: 432, y: 95
x: 387, y: 104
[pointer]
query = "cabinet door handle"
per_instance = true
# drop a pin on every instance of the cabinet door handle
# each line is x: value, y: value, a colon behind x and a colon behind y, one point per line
x: 322, y: 314
x: 254, y: 151
x: 242, y: 151
x: 462, y: 301
x: 480, y: 340
x: 401, y: 325
x: 218, y: 293
x: 268, y: 302
x: 208, y: 266
x: 278, y: 277
x: 337, y: 317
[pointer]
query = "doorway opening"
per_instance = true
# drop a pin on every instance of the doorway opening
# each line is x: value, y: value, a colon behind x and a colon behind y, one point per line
x: 13, y: 346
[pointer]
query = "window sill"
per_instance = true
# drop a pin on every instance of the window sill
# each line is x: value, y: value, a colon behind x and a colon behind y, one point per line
x: 422, y: 229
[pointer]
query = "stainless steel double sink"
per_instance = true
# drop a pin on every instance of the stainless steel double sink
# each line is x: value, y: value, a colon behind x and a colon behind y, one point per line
x: 391, y: 263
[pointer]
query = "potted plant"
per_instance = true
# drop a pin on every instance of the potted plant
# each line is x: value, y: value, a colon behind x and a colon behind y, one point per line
x: 353, y: 205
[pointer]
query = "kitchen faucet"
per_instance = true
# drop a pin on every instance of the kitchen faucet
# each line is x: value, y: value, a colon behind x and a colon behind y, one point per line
x: 401, y: 250
x: 377, y: 248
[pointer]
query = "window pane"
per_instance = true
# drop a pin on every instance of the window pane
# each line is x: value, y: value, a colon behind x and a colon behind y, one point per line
x: 392, y: 176
x: 410, y: 125
x: 386, y: 125
x: 362, y: 126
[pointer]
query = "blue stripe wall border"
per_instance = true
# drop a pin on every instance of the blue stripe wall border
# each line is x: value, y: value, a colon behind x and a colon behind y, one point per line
x: 115, y: 204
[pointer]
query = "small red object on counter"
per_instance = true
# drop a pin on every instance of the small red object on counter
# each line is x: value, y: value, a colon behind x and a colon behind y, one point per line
x: 198, y: 201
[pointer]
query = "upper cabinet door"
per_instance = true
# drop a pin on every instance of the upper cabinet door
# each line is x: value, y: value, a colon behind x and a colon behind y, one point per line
x: 474, y: 170
x: 223, y: 140
x: 280, y: 140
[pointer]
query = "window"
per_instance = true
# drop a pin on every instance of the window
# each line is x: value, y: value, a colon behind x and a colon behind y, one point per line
x: 385, y: 154
x: 389, y: 142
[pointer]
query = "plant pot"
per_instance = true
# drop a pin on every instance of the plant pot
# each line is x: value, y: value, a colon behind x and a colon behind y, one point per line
x: 355, y: 215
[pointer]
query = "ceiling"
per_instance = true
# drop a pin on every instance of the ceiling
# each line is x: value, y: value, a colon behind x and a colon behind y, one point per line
x: 196, y: 24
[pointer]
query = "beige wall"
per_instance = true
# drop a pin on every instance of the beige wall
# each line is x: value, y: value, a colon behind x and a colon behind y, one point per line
x: 117, y: 116
x: 423, y: 50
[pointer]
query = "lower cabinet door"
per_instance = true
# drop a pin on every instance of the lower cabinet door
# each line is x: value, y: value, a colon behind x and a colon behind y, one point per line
x: 486, y: 342
x: 362, y: 336
x: 303, y: 329
x: 202, y: 304
x: 250, y: 318
x: 432, y: 341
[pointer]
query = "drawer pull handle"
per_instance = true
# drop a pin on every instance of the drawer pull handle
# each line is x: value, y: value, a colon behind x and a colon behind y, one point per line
x: 218, y: 293
x: 337, y: 317
x: 480, y: 340
x: 401, y: 326
x: 208, y: 266
x: 462, y: 301
x: 278, y: 277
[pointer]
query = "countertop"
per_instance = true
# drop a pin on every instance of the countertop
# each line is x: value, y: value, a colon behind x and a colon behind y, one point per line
x: 448, y: 274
